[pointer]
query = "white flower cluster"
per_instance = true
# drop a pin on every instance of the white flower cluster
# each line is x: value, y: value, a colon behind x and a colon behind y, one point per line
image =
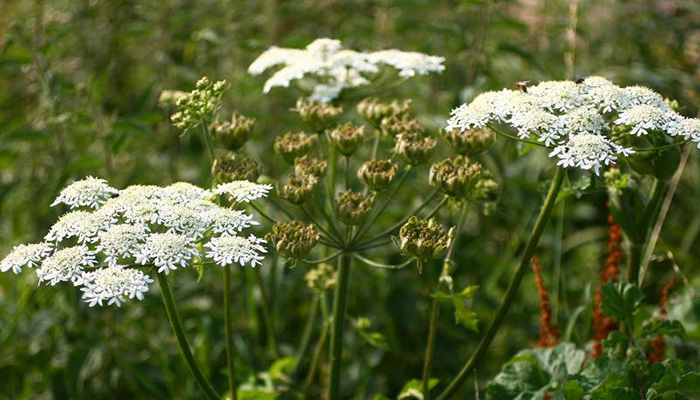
x: 575, y: 119
x: 100, y: 247
x: 335, y: 69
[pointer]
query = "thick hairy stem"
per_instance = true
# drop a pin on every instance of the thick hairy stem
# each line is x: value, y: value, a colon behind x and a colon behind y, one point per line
x: 267, y: 316
x: 179, y: 332
x: 228, y: 321
x: 512, y: 288
x: 339, y: 307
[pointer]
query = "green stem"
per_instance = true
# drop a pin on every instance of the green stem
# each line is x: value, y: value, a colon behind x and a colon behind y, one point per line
x: 179, y: 331
x: 400, y: 223
x: 651, y: 213
x: 267, y: 317
x: 318, y: 350
x: 332, y: 170
x: 228, y: 321
x: 339, y: 308
x: 383, y: 266
x: 435, y: 307
x: 530, y: 247
x: 306, y: 335
x: 207, y: 140
x: 430, y: 347
x: 370, y: 221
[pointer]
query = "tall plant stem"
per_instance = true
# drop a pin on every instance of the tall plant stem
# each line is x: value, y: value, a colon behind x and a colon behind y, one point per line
x: 435, y: 307
x: 306, y: 335
x: 228, y: 321
x: 651, y: 213
x: 267, y: 316
x: 207, y: 141
x: 179, y: 332
x: 339, y: 307
x: 430, y: 347
x: 530, y: 247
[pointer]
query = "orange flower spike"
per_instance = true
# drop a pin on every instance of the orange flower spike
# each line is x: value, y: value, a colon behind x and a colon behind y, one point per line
x: 549, y: 334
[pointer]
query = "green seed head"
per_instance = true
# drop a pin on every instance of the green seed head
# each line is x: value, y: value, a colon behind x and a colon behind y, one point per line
x: 456, y: 176
x: 318, y: 116
x: 346, y: 138
x: 233, y: 167
x: 310, y: 165
x: 298, y: 188
x: 375, y: 112
x: 471, y: 141
x: 414, y: 146
x: 232, y: 135
x: 424, y: 239
x: 293, y: 239
x: 352, y: 208
x: 293, y: 145
x: 321, y: 278
x: 377, y: 175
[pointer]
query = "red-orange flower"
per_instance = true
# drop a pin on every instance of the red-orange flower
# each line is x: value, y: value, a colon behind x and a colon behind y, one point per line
x: 658, y: 345
x: 549, y: 334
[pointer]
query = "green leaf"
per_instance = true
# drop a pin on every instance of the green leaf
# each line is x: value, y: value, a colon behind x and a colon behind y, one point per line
x: 621, y: 301
x: 413, y: 389
x: 375, y: 339
x: 573, y: 390
x: 463, y: 313
x: 662, y: 327
x: 248, y: 394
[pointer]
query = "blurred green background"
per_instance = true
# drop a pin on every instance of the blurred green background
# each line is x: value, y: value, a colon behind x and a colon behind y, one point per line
x: 79, y: 81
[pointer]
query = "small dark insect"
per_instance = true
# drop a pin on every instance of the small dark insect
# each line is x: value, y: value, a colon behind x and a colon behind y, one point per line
x: 521, y: 85
x: 580, y: 80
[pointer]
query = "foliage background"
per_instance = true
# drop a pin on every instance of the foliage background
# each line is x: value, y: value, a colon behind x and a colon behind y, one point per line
x: 78, y: 86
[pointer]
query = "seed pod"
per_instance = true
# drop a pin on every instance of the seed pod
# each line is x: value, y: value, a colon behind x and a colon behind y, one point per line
x: 232, y: 135
x: 395, y: 125
x: 298, y: 188
x: 456, y: 176
x: 471, y: 141
x: 310, y: 165
x: 233, y: 168
x: 414, y: 147
x: 377, y: 175
x: 318, y: 116
x: 352, y: 208
x: 293, y: 145
x: 424, y: 239
x: 346, y: 138
x: 374, y: 111
x: 293, y: 239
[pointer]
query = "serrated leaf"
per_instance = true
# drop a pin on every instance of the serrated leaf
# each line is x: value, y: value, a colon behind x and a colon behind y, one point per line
x: 621, y: 301
x: 662, y: 327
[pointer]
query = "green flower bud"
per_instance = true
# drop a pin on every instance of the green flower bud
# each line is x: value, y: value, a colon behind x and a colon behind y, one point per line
x: 233, y: 168
x: 232, y: 135
x: 322, y: 278
x: 414, y: 147
x: 395, y: 125
x: 352, y: 208
x: 614, y: 178
x: 456, y: 176
x: 424, y: 239
x: 298, y: 188
x: 377, y: 175
x: 318, y: 116
x: 169, y: 98
x: 346, y: 138
x: 310, y: 165
x: 293, y: 239
x: 374, y: 111
x: 471, y: 141
x: 293, y: 145
x: 199, y: 105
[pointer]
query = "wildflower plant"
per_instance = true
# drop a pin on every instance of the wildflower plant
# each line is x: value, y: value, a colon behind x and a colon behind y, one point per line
x: 325, y: 69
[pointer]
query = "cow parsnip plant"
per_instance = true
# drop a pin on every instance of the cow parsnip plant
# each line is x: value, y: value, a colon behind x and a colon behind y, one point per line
x: 328, y: 214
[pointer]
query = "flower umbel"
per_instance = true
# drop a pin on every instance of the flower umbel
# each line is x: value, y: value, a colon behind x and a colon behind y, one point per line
x: 294, y: 239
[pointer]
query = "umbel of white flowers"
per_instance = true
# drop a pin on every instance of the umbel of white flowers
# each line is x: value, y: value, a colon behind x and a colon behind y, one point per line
x: 575, y: 119
x: 102, y: 244
x: 332, y: 69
